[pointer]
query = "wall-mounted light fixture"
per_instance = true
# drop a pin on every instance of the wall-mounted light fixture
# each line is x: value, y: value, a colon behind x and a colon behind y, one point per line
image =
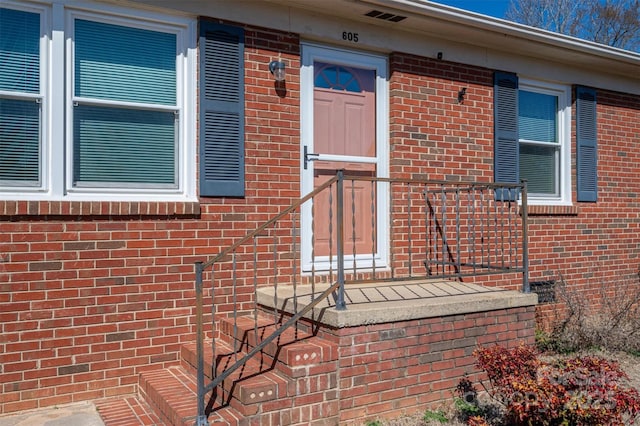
x: 439, y: 56
x: 277, y: 68
x: 461, y: 94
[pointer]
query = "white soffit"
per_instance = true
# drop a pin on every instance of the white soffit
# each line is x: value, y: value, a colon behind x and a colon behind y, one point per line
x: 462, y: 36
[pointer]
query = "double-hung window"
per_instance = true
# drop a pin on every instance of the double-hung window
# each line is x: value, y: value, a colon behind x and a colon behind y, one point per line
x: 124, y: 107
x: 115, y: 124
x: 533, y: 134
x: 543, y: 140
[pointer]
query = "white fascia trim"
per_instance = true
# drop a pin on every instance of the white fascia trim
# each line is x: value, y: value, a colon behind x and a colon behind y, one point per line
x: 510, y: 28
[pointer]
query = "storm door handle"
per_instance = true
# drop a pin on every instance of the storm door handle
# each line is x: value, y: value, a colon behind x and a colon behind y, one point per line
x: 309, y: 157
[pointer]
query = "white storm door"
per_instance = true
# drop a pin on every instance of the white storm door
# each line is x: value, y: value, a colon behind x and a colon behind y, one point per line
x: 344, y: 95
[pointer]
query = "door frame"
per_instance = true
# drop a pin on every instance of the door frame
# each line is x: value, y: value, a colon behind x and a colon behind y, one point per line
x: 312, y: 52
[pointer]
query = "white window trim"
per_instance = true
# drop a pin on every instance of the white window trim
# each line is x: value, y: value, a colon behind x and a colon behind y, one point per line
x: 56, y: 47
x: 563, y: 92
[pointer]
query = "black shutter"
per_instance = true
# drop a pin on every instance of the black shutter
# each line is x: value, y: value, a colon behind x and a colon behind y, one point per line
x: 587, y: 144
x: 221, y: 110
x: 505, y: 125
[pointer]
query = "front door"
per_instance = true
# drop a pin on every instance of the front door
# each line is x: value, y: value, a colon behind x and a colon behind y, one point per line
x: 342, y: 132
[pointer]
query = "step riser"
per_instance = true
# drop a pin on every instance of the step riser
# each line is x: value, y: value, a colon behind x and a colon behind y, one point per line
x: 265, y: 386
x: 285, y: 358
x: 264, y: 326
x: 172, y: 394
x: 255, y: 383
x: 293, y: 349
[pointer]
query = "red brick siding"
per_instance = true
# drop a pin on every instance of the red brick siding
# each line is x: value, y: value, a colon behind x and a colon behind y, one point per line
x: 432, y: 135
x: 596, y: 246
x: 92, y: 294
x: 395, y: 368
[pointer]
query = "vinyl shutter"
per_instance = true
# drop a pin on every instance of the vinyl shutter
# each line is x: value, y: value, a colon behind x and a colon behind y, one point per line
x: 587, y: 144
x: 506, y: 160
x: 221, y: 110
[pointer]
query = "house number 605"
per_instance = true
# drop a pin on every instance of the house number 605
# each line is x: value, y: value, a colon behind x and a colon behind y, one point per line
x: 349, y: 36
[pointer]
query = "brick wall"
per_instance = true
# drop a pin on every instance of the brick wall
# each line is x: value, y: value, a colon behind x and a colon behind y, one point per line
x: 595, y: 247
x: 432, y: 135
x: 92, y: 294
x: 386, y: 370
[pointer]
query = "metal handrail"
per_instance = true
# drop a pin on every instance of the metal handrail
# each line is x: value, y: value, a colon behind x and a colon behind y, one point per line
x: 201, y: 419
x: 261, y: 228
x: 337, y: 287
x: 203, y: 389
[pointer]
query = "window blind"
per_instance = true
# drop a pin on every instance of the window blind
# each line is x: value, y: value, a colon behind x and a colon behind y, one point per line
x: 537, y: 117
x: 120, y: 145
x: 19, y: 118
x: 119, y: 63
x: 19, y: 141
x: 19, y: 51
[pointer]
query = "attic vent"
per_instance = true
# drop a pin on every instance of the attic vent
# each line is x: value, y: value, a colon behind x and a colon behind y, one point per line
x: 385, y: 16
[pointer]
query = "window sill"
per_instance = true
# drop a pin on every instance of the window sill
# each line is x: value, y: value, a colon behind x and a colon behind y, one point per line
x: 549, y: 210
x: 99, y: 208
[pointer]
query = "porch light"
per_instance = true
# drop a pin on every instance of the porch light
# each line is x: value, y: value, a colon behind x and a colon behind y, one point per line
x: 277, y: 68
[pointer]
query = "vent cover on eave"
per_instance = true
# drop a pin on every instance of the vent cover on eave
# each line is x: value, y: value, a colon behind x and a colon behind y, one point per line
x: 385, y: 16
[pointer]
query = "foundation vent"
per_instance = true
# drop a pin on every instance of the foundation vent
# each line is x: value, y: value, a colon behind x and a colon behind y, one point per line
x: 385, y: 16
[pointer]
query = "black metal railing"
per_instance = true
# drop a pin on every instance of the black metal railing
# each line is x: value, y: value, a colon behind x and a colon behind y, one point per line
x: 359, y: 228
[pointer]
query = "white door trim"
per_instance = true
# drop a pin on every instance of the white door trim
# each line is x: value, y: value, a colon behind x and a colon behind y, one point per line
x: 311, y: 53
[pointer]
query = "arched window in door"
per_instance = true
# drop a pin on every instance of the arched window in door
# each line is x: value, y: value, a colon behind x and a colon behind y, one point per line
x: 338, y: 77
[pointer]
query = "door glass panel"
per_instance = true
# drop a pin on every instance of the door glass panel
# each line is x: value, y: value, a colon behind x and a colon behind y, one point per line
x: 360, y: 206
x: 328, y: 76
x: 345, y: 125
x: 344, y: 120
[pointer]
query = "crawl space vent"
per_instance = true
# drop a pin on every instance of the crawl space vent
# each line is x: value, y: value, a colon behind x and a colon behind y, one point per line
x: 385, y: 16
x: 546, y: 290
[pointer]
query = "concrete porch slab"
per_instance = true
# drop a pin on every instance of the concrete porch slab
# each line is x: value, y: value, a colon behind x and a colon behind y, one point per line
x: 376, y: 303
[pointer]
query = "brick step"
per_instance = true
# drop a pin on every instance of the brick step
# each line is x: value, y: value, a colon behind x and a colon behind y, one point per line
x: 264, y: 386
x: 294, y: 348
x: 251, y: 384
x: 128, y: 410
x: 172, y: 395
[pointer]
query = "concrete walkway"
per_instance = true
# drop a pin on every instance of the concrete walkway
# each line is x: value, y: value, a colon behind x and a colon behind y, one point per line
x: 78, y: 414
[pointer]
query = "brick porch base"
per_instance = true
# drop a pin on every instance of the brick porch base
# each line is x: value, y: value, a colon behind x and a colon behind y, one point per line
x: 346, y: 373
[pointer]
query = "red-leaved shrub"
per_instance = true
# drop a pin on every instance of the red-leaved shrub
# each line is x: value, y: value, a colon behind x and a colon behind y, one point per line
x: 583, y: 390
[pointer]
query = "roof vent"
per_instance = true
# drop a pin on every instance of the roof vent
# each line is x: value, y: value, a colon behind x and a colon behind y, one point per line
x: 385, y: 16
